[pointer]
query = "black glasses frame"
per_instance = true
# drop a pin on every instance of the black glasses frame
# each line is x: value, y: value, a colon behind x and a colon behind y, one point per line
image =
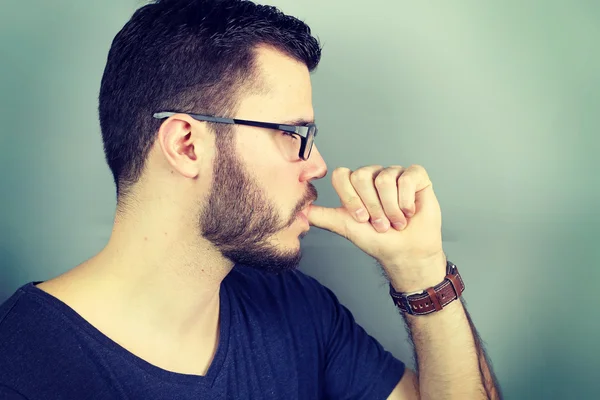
x: 306, y: 132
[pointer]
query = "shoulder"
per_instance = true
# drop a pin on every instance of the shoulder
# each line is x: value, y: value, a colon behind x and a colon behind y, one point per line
x: 21, y: 324
x: 16, y: 313
x: 37, y: 339
x: 23, y: 318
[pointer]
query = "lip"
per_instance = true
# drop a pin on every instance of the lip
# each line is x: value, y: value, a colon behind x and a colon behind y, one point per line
x: 304, y: 211
x: 303, y: 217
x: 303, y: 214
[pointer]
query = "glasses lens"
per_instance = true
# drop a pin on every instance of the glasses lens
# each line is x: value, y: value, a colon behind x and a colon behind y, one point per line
x: 310, y: 139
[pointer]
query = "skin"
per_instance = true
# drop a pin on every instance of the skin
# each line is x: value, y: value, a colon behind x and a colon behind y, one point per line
x: 201, y: 200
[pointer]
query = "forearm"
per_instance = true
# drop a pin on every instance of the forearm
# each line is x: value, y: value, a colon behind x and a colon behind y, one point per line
x: 451, y: 362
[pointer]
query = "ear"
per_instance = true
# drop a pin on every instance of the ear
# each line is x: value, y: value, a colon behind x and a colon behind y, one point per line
x: 182, y: 142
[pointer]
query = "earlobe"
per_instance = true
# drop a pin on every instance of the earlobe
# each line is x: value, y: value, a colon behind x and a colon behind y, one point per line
x: 179, y: 145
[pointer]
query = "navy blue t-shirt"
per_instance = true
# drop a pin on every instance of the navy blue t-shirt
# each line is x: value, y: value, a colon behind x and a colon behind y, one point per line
x: 282, y: 336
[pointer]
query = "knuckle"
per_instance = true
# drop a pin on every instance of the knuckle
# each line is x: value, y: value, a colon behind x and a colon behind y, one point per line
x: 340, y: 171
x: 419, y: 169
x: 402, y: 179
x: 384, y: 179
x: 338, y: 177
x: 361, y: 176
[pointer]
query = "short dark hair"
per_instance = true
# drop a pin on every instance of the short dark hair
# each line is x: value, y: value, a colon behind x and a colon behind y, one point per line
x: 188, y: 56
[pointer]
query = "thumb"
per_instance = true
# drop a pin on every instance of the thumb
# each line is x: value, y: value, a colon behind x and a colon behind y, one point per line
x: 331, y: 219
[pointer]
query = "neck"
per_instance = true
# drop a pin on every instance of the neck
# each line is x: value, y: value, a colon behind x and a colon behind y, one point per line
x: 156, y: 274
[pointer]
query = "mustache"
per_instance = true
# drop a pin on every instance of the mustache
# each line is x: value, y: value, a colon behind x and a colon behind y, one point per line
x: 310, y: 196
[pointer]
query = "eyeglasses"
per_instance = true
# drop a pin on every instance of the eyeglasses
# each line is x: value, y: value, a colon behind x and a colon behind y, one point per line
x: 306, y: 132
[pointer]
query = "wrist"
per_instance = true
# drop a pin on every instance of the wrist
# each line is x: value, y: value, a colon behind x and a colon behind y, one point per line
x: 423, y: 301
x: 411, y: 277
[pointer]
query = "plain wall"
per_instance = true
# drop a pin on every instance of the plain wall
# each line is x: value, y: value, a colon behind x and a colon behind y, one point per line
x: 498, y: 100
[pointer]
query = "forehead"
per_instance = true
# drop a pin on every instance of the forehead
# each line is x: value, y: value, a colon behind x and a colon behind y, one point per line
x: 285, y: 89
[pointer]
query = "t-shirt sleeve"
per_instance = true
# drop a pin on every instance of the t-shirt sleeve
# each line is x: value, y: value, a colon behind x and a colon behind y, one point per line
x: 356, y: 364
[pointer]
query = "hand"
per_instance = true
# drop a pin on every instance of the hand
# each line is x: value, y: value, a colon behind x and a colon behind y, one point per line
x: 393, y: 215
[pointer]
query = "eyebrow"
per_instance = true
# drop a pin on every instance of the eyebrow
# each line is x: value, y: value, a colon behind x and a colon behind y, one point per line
x: 299, y: 122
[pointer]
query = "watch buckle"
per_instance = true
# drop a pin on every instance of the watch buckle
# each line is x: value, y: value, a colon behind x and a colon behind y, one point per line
x: 406, y: 303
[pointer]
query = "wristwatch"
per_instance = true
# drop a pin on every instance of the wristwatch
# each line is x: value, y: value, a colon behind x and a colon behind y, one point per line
x: 433, y: 299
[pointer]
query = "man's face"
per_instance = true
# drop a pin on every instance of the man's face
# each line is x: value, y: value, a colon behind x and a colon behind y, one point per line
x: 259, y: 184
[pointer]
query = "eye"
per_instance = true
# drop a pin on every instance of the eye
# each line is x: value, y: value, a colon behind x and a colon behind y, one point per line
x: 292, y: 135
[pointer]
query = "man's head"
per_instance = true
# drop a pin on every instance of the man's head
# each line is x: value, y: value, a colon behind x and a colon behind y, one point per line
x: 230, y: 58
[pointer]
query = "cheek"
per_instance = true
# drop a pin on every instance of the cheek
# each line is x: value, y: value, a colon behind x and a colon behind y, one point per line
x: 281, y: 186
x: 288, y: 147
x: 276, y: 176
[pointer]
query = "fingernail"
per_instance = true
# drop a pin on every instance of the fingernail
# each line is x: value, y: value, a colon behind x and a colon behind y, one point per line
x: 361, y: 215
x: 398, y: 226
x: 381, y: 225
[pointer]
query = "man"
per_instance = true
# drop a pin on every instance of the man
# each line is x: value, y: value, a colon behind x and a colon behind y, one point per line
x: 207, y: 121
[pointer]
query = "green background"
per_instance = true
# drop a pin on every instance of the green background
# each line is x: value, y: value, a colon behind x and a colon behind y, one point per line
x: 500, y: 101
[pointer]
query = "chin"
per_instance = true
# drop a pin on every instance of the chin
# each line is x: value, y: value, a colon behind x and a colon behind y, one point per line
x: 279, y: 254
x: 289, y: 240
x: 274, y: 261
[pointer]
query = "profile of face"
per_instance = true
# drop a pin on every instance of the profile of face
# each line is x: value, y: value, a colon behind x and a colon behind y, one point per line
x: 260, y: 187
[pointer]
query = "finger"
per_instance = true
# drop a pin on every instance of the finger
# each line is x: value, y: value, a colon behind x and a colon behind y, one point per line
x: 340, y: 178
x: 363, y: 182
x: 327, y: 218
x: 413, y: 180
x: 386, y: 184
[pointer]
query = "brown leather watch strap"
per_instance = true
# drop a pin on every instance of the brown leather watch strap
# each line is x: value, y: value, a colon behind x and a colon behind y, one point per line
x: 432, y: 299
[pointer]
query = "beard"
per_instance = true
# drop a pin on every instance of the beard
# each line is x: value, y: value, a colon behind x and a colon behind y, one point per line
x: 238, y: 218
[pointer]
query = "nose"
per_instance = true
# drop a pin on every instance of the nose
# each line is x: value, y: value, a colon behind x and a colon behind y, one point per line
x: 315, y: 167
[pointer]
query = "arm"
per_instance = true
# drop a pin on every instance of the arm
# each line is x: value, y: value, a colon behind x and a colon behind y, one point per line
x: 450, y: 358
x: 393, y: 215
